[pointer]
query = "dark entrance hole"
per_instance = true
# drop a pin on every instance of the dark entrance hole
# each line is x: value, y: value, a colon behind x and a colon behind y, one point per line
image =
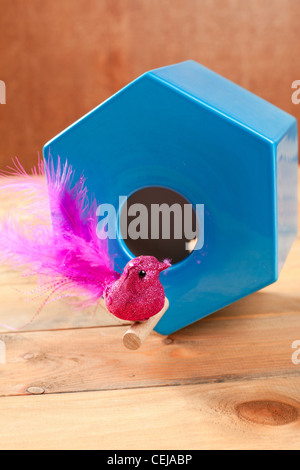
x: 166, y: 231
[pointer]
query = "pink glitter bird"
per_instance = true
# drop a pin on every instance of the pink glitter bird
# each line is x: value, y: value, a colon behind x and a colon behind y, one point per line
x: 67, y: 255
x: 138, y: 294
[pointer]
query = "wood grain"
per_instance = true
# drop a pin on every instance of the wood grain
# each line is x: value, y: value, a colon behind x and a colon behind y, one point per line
x: 222, y: 416
x: 60, y: 59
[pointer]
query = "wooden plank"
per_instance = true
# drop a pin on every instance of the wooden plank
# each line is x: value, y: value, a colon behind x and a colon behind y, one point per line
x: 258, y: 414
x: 250, y: 338
x: 94, y: 359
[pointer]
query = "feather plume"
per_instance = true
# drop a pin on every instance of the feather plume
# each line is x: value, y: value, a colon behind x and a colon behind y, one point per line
x: 67, y: 254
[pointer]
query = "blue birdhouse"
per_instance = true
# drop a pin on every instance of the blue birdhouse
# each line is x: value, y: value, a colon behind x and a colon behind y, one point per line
x: 185, y: 130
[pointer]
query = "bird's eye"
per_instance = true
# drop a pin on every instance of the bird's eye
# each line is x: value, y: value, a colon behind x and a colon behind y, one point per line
x: 142, y: 274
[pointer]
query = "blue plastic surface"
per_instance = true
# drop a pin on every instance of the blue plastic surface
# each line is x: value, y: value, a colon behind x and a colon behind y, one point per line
x: 188, y: 129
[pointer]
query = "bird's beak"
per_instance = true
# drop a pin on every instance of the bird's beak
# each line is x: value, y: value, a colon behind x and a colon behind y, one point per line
x: 164, y: 265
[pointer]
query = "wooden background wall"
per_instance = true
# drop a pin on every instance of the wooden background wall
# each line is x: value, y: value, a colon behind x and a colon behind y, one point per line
x: 61, y: 58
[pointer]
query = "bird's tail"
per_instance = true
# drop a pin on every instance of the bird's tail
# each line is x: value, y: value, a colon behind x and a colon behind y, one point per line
x: 64, y: 250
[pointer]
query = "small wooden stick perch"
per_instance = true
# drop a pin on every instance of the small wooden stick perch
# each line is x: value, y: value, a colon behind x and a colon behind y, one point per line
x: 138, y: 332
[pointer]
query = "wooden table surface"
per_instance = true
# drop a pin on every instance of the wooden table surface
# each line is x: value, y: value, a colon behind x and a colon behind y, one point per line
x: 226, y: 382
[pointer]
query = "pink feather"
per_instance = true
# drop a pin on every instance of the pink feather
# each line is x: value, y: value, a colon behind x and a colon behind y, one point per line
x: 68, y: 256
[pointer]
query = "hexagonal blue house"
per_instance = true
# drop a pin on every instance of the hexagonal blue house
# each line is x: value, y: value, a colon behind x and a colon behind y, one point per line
x: 185, y: 128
